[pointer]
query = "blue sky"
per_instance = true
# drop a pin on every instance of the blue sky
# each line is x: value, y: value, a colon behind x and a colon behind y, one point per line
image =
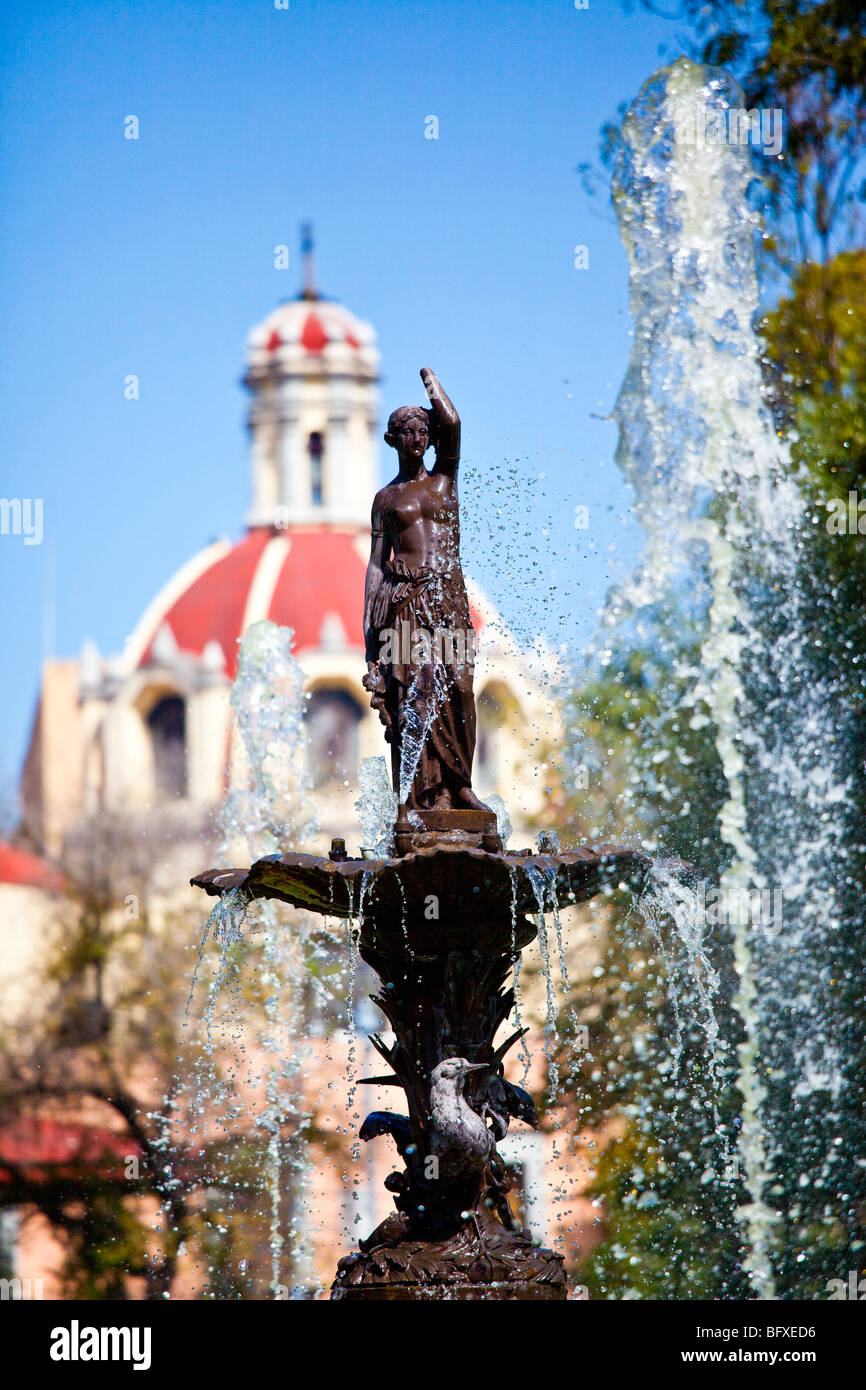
x: 155, y: 256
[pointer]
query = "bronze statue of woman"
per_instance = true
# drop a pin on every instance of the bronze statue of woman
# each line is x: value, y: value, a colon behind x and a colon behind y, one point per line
x: 417, y: 626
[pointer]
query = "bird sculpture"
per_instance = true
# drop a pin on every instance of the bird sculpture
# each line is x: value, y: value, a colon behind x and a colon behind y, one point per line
x: 380, y: 1122
x: 459, y: 1137
x: 503, y: 1102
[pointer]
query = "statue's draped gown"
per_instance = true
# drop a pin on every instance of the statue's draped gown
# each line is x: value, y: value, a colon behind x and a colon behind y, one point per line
x: 429, y: 703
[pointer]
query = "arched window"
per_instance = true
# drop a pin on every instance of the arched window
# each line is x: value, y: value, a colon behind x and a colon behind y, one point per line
x: 167, y: 725
x: 315, y: 449
x: 488, y: 723
x: 94, y: 775
x: 332, y: 718
x: 497, y: 715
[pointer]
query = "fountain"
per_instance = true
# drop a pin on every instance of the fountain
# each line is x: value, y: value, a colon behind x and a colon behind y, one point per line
x: 443, y: 917
x: 441, y: 910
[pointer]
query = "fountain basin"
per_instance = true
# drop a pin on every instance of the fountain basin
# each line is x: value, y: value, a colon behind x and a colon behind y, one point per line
x: 442, y: 927
x: 465, y: 881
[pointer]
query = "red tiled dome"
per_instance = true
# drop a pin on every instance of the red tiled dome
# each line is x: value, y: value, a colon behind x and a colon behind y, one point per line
x: 311, y: 580
x: 313, y: 335
x: 28, y: 870
x: 312, y: 328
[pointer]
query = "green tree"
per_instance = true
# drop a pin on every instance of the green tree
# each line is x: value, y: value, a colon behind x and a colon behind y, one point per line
x: 808, y: 60
x: 816, y: 360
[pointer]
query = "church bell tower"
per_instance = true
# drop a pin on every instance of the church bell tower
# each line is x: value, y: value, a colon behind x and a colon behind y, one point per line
x: 313, y: 372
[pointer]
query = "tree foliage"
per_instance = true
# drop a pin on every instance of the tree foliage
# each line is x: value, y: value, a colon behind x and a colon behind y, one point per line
x: 807, y: 60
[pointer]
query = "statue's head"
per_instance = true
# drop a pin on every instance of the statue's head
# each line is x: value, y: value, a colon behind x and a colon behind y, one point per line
x: 454, y: 1070
x: 409, y: 431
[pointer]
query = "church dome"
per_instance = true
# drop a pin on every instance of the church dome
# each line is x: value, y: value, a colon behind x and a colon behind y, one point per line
x: 309, y: 580
x: 312, y: 332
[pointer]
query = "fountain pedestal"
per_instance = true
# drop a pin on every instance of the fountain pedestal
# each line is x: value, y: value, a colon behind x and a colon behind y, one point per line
x: 442, y: 927
x: 442, y: 967
x: 423, y: 829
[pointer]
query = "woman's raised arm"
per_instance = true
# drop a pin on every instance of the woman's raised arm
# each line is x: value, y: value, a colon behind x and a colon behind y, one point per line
x: 444, y: 425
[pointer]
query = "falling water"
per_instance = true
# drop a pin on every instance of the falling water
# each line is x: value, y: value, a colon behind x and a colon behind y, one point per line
x: 376, y: 807
x: 427, y: 694
x: 525, y: 1055
x: 267, y: 810
x: 716, y: 494
x: 539, y: 885
x: 668, y: 904
x: 226, y: 922
x: 270, y: 802
x: 503, y: 820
